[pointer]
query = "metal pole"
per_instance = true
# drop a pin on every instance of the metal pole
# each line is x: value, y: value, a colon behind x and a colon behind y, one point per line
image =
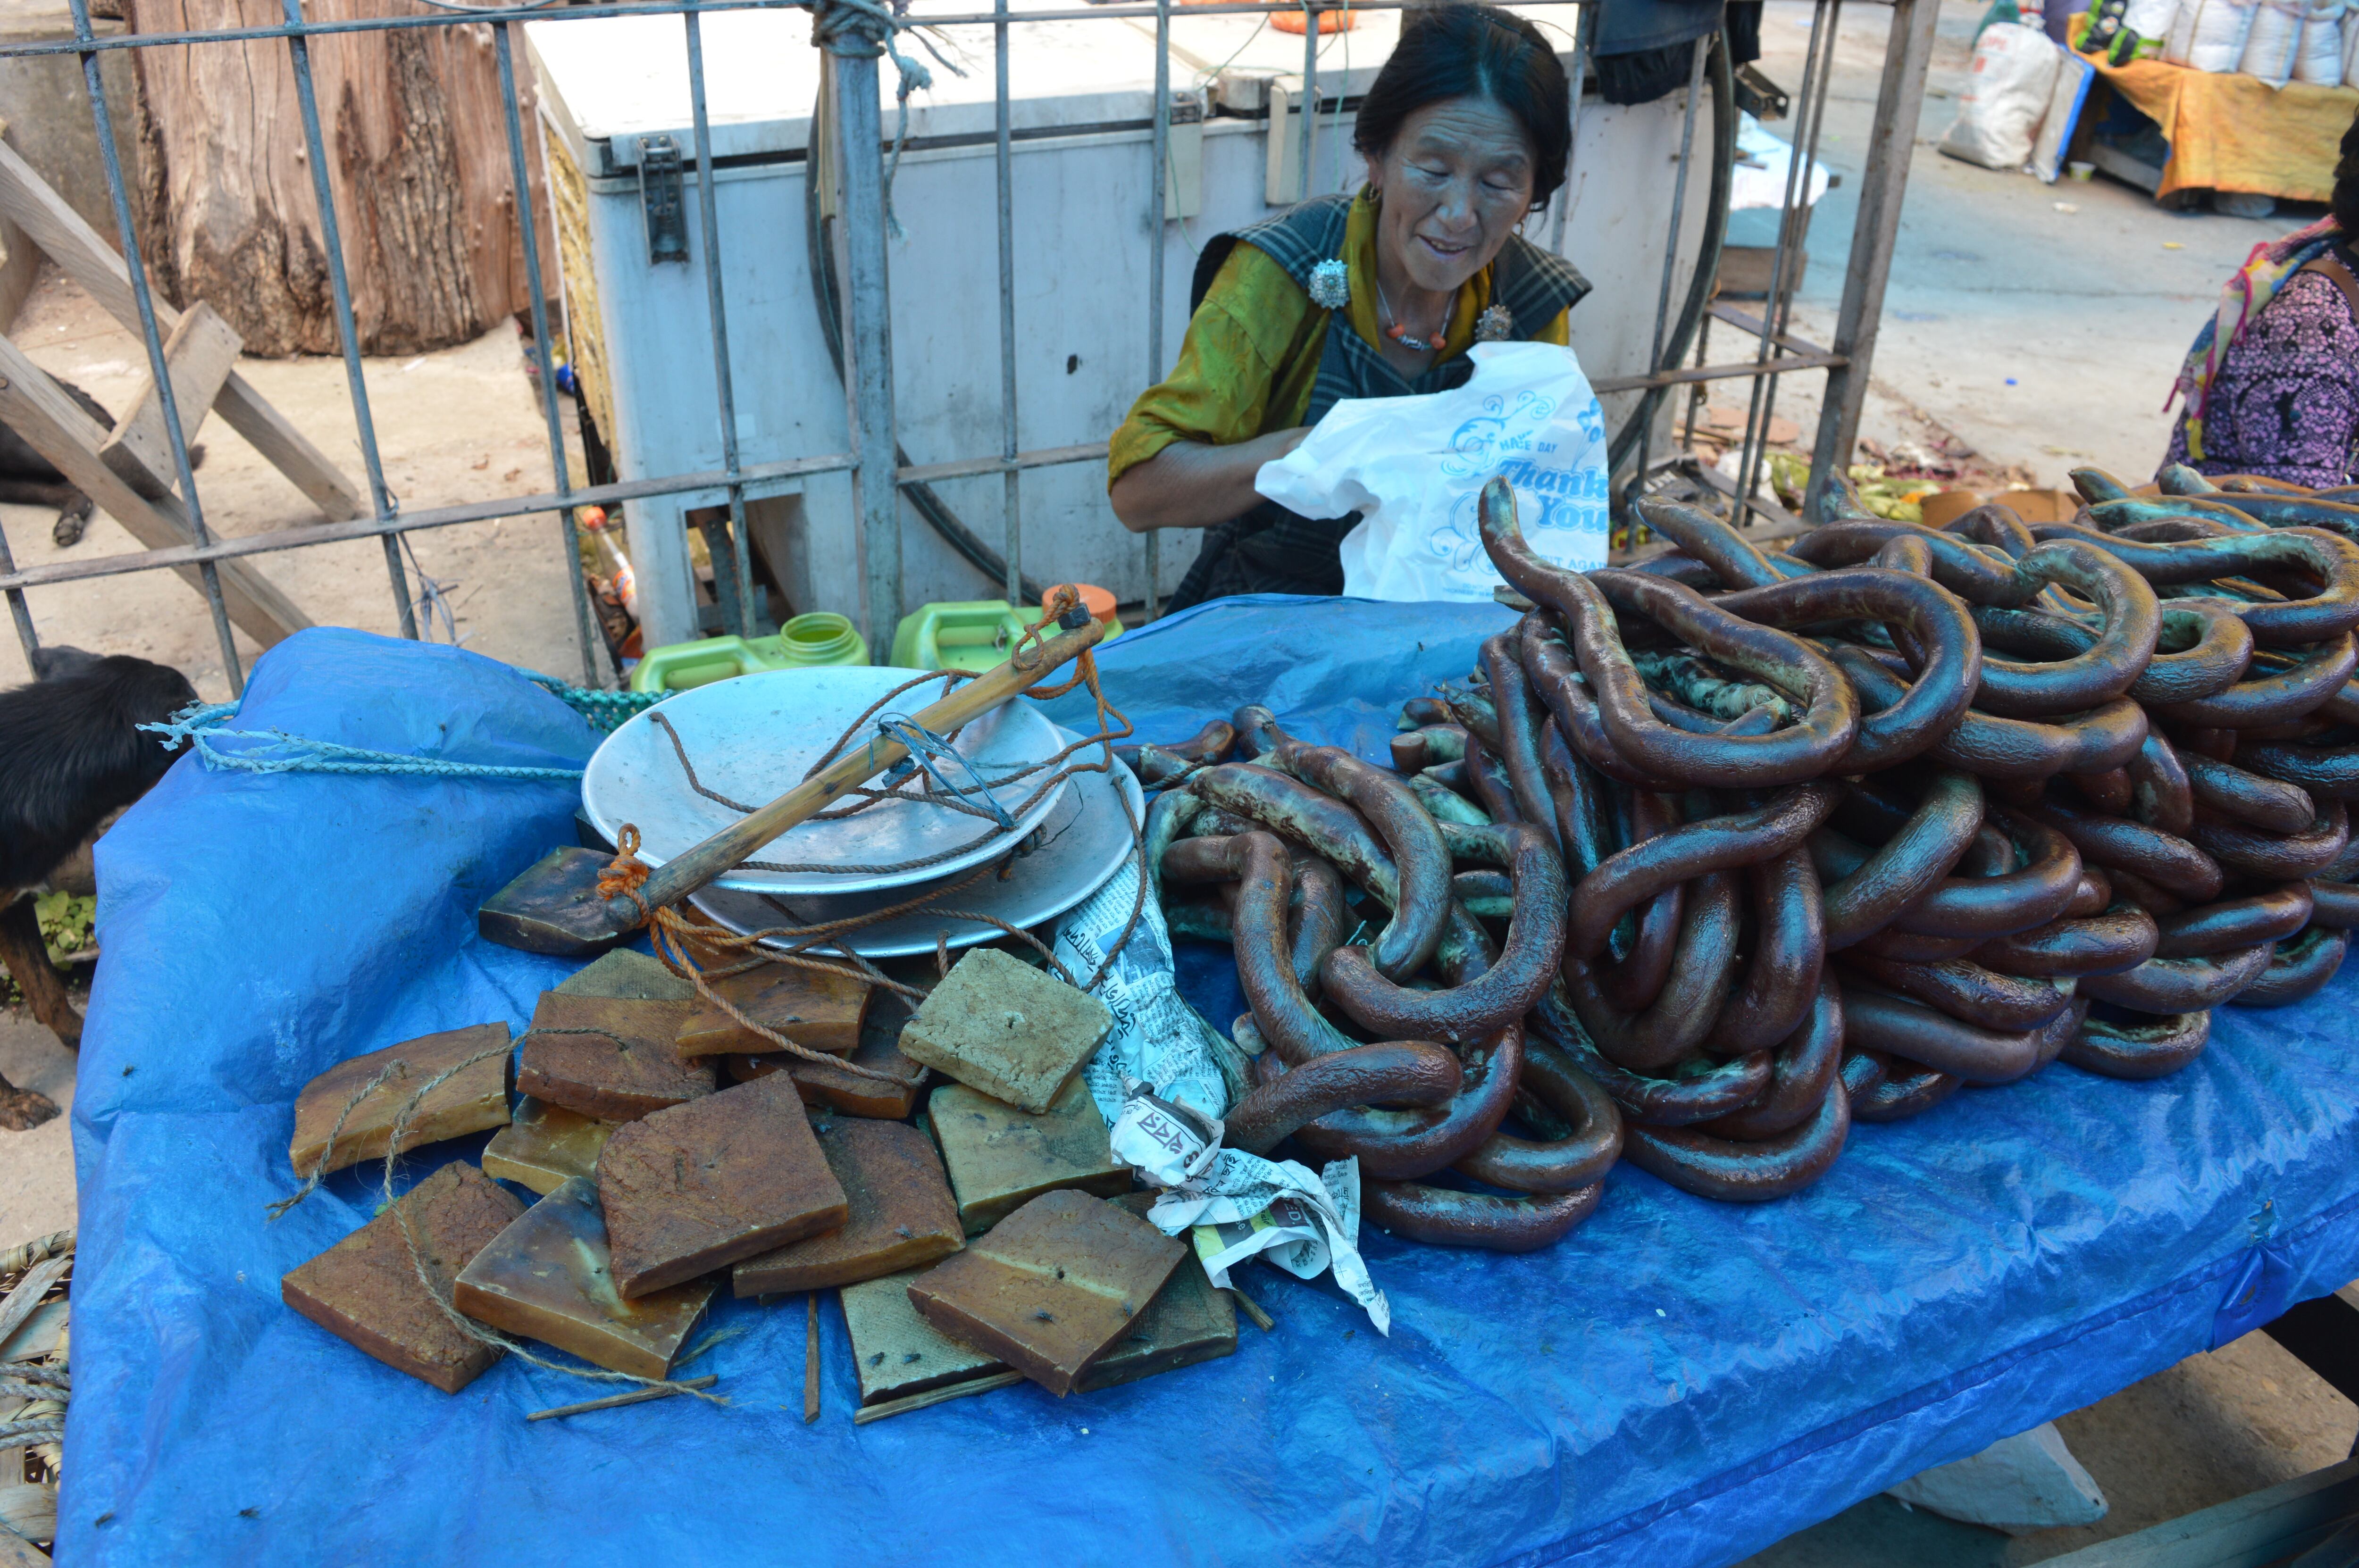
x: 1812, y: 99
x: 103, y: 121
x: 868, y: 340
x: 1883, y: 186
x: 339, y: 285
x: 16, y: 608
x: 1783, y: 304
x: 529, y: 232
x: 1155, y: 245
x: 1011, y: 510
x: 739, y: 548
x: 1310, y: 90
x: 1584, y: 36
x: 1671, y: 248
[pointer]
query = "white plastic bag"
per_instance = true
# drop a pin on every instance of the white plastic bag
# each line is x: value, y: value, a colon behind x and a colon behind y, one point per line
x: 2351, y: 53
x: 2272, y: 41
x: 2320, y: 59
x: 1413, y: 467
x: 2005, y: 97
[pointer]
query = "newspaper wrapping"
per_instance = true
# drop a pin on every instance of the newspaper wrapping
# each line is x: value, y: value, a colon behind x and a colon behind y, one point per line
x: 1156, y: 1037
x: 1236, y: 1206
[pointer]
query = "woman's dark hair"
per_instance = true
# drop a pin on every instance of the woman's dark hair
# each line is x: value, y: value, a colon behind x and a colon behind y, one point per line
x: 1460, y: 49
x: 2345, y: 200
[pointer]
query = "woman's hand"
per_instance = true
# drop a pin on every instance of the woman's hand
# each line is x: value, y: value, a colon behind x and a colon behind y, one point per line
x: 1190, y: 484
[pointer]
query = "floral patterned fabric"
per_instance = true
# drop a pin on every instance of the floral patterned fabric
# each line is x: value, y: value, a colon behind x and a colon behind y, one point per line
x: 2285, y: 402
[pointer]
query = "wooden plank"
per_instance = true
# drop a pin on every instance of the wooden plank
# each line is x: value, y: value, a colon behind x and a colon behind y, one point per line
x: 2243, y: 1532
x: 29, y: 1292
x: 59, y: 430
x: 199, y: 354
x: 61, y: 234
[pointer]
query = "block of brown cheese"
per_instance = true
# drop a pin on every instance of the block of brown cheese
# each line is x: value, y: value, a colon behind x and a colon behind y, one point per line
x: 547, y: 1277
x: 616, y: 1064
x: 895, y: 1352
x: 471, y: 1099
x: 546, y: 1145
x: 1051, y: 1288
x: 821, y: 1010
x: 1188, y: 1321
x: 901, y: 1214
x: 627, y: 975
x: 997, y: 1024
x: 365, y: 1288
x: 720, y: 1178
x: 1000, y: 1158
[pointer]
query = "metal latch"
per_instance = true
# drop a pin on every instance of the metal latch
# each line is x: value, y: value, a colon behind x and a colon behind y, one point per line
x: 659, y: 197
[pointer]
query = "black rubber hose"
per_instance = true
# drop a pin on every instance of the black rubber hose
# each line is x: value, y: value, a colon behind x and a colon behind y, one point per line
x: 1707, y: 270
x: 827, y: 295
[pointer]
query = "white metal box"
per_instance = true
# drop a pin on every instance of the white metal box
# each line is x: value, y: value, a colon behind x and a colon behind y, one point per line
x: 1081, y: 105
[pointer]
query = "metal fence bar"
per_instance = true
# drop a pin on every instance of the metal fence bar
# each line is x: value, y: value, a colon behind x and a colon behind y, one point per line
x: 101, y: 120
x: 1671, y: 245
x: 1584, y: 35
x: 341, y: 287
x: 1156, y: 181
x: 1790, y: 229
x: 1003, y: 164
x: 867, y: 299
x: 1901, y: 99
x: 674, y: 8
x: 740, y: 549
x: 1777, y: 314
x: 1309, y: 109
x: 17, y: 610
x: 868, y: 340
x: 514, y: 506
x: 529, y: 232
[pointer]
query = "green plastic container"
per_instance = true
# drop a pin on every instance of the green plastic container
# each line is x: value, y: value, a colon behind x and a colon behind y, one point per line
x: 972, y: 634
x: 819, y: 638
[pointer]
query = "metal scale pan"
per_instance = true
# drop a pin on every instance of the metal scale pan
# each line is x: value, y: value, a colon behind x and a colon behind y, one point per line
x: 1084, y: 842
x: 753, y: 737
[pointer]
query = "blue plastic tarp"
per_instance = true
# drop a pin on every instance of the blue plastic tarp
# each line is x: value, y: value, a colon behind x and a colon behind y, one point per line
x: 1677, y: 1382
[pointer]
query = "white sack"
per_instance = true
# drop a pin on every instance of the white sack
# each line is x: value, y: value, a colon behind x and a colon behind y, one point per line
x: 1414, y: 466
x: 2005, y: 97
x: 2216, y: 33
x: 2272, y: 41
x: 2319, y: 61
x: 2151, y: 18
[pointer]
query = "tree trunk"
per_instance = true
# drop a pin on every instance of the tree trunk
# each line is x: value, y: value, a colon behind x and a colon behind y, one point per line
x: 417, y: 156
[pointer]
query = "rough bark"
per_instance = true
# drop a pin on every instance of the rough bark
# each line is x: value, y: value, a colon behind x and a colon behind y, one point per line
x: 417, y: 161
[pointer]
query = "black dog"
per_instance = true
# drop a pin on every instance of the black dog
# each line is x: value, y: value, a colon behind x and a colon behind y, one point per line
x: 29, y: 479
x: 70, y: 752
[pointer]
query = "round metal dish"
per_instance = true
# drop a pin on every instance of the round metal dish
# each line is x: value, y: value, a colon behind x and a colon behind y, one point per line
x: 1085, y: 840
x: 754, y: 737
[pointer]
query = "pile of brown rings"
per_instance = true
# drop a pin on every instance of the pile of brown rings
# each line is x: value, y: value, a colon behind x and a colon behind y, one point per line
x: 1783, y: 840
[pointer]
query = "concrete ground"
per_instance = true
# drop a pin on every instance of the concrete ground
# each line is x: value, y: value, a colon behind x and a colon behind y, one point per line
x: 459, y: 425
x: 37, y: 1177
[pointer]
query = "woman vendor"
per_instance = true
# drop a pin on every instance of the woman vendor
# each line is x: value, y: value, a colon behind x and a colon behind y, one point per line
x: 2272, y: 384
x: 1466, y: 133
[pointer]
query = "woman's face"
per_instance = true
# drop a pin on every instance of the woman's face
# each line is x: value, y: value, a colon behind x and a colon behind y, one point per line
x: 1455, y: 183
